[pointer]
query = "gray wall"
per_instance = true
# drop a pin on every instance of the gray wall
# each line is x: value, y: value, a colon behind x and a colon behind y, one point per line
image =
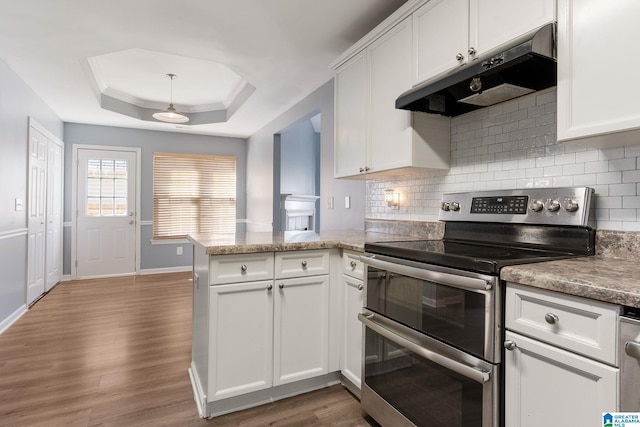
x: 299, y: 159
x: 260, y: 163
x: 17, y: 103
x: 152, y: 256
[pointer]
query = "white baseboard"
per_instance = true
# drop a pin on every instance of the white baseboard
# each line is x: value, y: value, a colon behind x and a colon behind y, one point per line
x: 13, y: 317
x: 178, y: 269
x: 66, y: 277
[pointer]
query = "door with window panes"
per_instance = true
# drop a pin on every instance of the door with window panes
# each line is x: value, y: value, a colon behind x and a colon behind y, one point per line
x: 106, y: 217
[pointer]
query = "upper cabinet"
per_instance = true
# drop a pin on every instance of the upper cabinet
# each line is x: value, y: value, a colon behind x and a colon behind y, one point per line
x: 451, y: 33
x: 597, y: 89
x: 373, y: 137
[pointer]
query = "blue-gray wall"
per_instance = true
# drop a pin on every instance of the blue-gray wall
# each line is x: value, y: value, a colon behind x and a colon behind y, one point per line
x: 17, y: 103
x: 300, y: 159
x: 152, y: 256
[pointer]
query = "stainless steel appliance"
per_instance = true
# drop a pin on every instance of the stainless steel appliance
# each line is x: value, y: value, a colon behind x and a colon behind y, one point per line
x: 434, y: 308
x: 630, y: 361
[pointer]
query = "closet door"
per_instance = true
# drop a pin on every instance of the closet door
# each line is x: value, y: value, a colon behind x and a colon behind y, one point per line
x: 38, y: 150
x: 53, y: 254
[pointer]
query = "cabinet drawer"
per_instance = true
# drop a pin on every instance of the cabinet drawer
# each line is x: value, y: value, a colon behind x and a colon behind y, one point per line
x: 301, y: 263
x: 351, y: 265
x: 577, y: 324
x: 241, y: 268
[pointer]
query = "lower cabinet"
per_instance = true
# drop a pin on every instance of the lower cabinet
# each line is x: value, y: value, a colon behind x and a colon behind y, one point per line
x: 561, y: 359
x: 546, y: 385
x: 352, y: 344
x: 240, y: 338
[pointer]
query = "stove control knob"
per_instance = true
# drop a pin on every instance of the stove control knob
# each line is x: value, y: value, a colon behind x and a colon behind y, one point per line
x: 553, y: 205
x: 536, y: 205
x: 445, y: 206
x: 454, y: 206
x: 570, y: 205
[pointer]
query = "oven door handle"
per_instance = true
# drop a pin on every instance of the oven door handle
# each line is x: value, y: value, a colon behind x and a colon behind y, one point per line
x: 461, y: 282
x: 397, y: 336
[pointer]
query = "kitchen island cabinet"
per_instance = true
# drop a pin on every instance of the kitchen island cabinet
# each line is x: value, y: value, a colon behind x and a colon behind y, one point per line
x: 259, y: 340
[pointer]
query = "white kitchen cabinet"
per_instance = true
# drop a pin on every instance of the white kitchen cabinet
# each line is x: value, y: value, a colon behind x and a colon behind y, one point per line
x: 451, y: 33
x: 549, y: 386
x: 372, y: 137
x: 301, y: 328
x: 261, y: 327
x: 597, y: 90
x: 240, y: 338
x: 555, y: 348
x: 353, y: 296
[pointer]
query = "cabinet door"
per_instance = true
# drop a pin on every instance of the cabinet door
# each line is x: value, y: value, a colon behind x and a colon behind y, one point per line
x: 496, y: 22
x: 301, y: 328
x: 548, y: 386
x: 391, y: 132
x: 240, y: 338
x: 441, y: 33
x: 352, y: 345
x: 597, y: 90
x: 351, y: 116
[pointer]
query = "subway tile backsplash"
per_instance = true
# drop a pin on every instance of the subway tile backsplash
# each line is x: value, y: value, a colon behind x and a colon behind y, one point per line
x: 513, y: 145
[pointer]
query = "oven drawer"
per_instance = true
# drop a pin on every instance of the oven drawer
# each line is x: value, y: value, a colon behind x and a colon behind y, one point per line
x: 351, y: 265
x: 241, y: 268
x: 578, y: 324
x: 301, y: 263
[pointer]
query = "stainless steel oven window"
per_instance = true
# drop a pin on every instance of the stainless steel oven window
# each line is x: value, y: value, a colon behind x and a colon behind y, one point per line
x: 411, y: 379
x: 460, y: 308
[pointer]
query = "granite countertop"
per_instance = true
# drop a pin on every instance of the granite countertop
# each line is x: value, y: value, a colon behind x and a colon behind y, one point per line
x: 613, y: 280
x: 243, y: 243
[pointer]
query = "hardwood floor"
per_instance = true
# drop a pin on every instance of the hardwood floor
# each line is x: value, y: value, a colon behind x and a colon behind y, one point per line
x: 115, y: 352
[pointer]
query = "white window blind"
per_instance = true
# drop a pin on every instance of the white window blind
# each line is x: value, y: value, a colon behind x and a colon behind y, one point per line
x: 193, y: 193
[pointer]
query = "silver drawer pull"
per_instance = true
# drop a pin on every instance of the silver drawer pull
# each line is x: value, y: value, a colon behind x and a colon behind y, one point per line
x: 353, y: 265
x: 243, y: 268
x: 269, y: 287
x: 510, y: 345
x: 281, y: 285
x: 551, y: 318
x: 304, y: 264
x: 360, y: 287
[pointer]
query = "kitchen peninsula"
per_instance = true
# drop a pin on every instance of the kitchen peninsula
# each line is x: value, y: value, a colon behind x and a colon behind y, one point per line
x: 270, y: 315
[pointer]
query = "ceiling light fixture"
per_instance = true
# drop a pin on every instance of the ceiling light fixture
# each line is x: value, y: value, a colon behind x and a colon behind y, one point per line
x: 170, y: 115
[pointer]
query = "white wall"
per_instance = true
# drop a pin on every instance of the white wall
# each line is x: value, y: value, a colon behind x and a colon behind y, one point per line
x: 260, y: 169
x: 17, y: 103
x: 513, y: 145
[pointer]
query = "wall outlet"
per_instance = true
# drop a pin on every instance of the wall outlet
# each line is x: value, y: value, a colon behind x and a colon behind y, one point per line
x: 179, y: 250
x: 330, y: 202
x: 18, y: 204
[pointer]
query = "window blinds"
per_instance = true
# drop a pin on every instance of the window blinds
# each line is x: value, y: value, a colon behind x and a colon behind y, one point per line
x: 193, y: 193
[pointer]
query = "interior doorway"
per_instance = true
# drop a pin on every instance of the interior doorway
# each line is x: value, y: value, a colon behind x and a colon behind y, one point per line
x: 296, y: 171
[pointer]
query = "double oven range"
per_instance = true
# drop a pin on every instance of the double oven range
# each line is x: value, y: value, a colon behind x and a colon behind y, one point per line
x: 434, y: 309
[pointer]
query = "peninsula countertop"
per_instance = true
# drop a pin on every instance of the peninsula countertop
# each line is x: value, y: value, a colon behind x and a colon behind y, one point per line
x: 251, y: 242
x: 613, y: 280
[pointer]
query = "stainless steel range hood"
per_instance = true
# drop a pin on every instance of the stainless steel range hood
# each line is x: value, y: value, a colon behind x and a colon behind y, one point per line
x: 528, y: 66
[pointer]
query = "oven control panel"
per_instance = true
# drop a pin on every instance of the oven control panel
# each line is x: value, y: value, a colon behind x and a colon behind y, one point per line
x: 553, y: 206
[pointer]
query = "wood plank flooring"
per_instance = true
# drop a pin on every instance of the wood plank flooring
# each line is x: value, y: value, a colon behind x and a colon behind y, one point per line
x: 115, y: 352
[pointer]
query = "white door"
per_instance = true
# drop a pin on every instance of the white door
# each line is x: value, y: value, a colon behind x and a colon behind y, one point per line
x: 37, y: 214
x: 53, y: 255
x: 106, y: 217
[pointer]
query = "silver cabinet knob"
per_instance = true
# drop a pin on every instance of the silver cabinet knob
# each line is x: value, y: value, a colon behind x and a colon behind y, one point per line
x: 361, y: 170
x: 510, y: 345
x: 243, y: 268
x: 551, y: 318
x: 454, y: 206
x: 353, y: 265
x: 553, y: 205
x: 130, y: 213
x: 570, y: 205
x: 269, y: 287
x: 304, y: 264
x: 536, y: 205
x: 459, y: 57
x: 445, y: 206
x: 281, y: 285
x: 130, y: 222
x: 360, y: 287
x: 472, y: 50
x: 366, y: 168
